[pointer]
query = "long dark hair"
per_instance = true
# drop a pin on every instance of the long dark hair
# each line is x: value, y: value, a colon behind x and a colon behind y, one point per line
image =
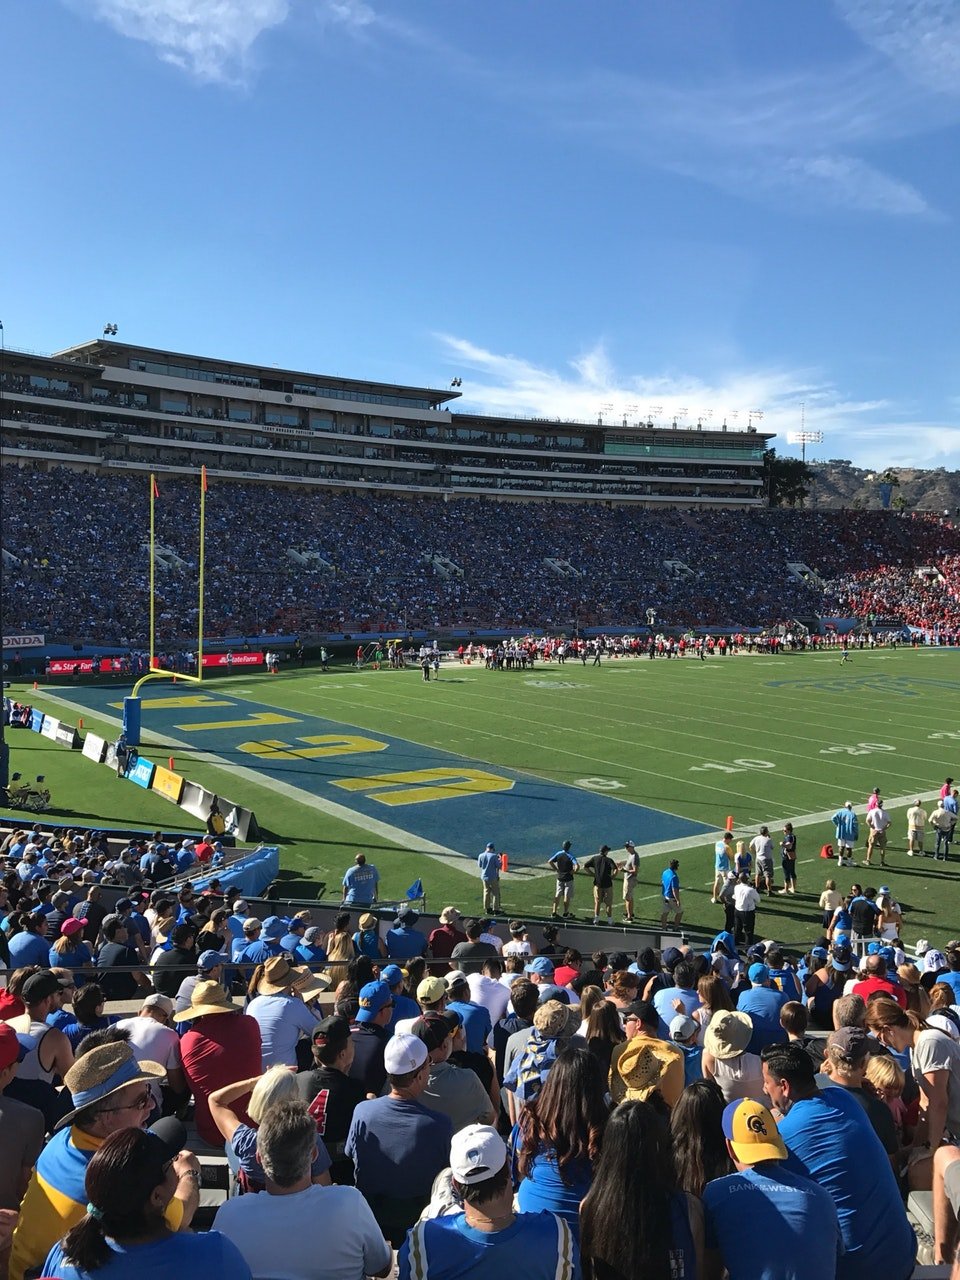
x: 568, y: 1115
x: 699, y: 1148
x: 625, y: 1218
x: 603, y: 1033
x: 120, y: 1179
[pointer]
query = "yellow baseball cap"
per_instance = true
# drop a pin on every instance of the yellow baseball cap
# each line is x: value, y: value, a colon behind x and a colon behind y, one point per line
x: 752, y: 1132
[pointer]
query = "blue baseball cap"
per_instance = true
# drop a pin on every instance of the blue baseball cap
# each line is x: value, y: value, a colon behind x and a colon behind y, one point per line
x: 758, y: 973
x: 873, y: 948
x: 541, y: 965
x: 889, y: 954
x: 208, y: 960
x: 392, y: 975
x: 373, y: 997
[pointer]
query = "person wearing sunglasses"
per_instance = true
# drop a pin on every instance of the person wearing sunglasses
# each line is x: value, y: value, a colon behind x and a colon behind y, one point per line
x: 110, y: 1091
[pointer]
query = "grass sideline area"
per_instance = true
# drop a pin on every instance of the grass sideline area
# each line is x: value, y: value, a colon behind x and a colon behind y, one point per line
x: 763, y: 739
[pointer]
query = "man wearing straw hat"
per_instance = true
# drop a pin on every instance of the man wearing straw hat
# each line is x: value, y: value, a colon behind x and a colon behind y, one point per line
x: 110, y: 1091
x: 283, y: 1009
x: 216, y: 1051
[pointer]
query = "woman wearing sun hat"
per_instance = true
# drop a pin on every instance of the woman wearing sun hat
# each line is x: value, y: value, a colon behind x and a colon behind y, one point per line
x: 725, y: 1059
x: 282, y: 1003
x: 129, y: 1185
x: 367, y: 939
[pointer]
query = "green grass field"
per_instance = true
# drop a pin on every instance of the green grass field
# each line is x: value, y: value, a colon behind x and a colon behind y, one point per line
x: 765, y: 740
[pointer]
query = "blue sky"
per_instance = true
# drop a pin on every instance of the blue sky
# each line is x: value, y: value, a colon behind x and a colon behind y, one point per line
x: 703, y: 208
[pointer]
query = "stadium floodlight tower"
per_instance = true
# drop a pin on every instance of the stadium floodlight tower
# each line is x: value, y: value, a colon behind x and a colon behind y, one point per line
x: 803, y: 438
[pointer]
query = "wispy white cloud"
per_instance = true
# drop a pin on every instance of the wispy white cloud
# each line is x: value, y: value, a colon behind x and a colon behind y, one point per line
x: 922, y: 37
x: 806, y: 140
x: 352, y: 14
x: 847, y: 182
x: 784, y: 138
x: 797, y: 139
x: 210, y: 39
x: 869, y: 432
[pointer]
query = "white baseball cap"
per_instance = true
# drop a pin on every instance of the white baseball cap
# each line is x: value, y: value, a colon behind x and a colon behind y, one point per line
x: 158, y: 1001
x: 404, y: 1054
x: 477, y: 1153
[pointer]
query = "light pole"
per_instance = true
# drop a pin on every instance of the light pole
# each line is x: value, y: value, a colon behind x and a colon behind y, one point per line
x: 803, y: 438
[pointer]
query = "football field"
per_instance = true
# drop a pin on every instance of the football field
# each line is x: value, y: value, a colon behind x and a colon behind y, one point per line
x: 420, y: 776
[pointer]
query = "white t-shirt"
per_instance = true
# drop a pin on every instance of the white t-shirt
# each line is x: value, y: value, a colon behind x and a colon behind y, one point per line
x: 878, y: 819
x: 515, y: 948
x: 490, y: 993
x: 151, y: 1041
x: 328, y: 1231
x: 745, y: 898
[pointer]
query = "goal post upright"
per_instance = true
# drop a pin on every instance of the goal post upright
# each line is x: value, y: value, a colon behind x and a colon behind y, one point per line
x: 132, y: 706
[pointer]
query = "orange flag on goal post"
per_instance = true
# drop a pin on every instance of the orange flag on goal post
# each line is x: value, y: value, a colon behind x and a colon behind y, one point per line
x: 156, y: 487
x: 203, y: 479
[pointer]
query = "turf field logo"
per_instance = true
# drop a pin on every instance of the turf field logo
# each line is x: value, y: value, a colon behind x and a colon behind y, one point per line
x: 887, y: 686
x: 555, y: 684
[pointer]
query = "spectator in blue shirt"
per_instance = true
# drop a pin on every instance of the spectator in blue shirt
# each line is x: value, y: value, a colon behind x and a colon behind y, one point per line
x: 360, y: 883
x: 294, y: 936
x: 30, y: 945
x: 784, y: 1226
x: 185, y: 856
x: 488, y: 1238
x: 670, y: 894
x: 831, y: 1141
x: 404, y: 942
x: 684, y: 989
x: 309, y: 951
x: 763, y: 1003
x: 490, y: 864
x: 476, y: 1019
x: 398, y: 1146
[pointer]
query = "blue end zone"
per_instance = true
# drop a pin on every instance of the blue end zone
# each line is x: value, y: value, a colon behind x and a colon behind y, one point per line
x: 439, y: 796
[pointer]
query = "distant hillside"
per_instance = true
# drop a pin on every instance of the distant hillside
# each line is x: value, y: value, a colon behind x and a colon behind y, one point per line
x: 839, y: 484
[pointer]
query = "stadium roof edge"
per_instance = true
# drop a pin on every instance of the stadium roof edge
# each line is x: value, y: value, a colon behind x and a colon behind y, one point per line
x: 103, y: 352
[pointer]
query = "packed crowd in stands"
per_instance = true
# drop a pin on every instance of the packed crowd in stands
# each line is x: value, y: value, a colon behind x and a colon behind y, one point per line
x: 81, y: 545
x: 457, y: 1100
x: 928, y: 600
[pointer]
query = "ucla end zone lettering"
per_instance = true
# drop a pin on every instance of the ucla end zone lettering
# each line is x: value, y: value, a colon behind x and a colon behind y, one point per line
x: 434, y: 795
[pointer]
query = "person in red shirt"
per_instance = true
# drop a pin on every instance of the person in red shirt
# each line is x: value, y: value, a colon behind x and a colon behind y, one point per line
x: 221, y: 1047
x: 204, y: 851
x: 446, y: 936
x: 877, y: 980
x: 565, y: 973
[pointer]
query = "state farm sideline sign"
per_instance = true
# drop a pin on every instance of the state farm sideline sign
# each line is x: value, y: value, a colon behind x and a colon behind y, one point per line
x: 233, y: 659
